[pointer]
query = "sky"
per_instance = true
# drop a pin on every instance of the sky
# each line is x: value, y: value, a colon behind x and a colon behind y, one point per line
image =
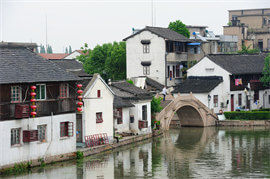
x: 75, y: 22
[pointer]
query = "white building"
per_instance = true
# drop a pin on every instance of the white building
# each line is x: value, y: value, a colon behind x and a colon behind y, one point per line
x: 74, y: 54
x: 50, y: 134
x: 132, y: 108
x: 97, y: 115
x: 158, y: 53
x: 238, y: 87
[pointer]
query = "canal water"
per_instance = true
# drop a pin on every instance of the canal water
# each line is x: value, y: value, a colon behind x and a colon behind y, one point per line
x: 184, y: 153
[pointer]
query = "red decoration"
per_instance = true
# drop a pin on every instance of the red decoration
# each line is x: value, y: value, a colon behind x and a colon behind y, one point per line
x: 33, y: 87
x: 79, y: 97
x: 33, y: 100
x: 33, y: 106
x: 33, y: 113
x: 79, y: 109
x: 79, y: 85
x: 80, y: 103
x: 33, y: 94
x: 80, y: 91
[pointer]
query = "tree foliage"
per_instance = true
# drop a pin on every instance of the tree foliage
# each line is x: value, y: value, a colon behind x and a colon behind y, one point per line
x: 155, y: 105
x: 179, y: 27
x: 247, y: 50
x: 266, y: 72
x: 69, y: 49
x: 42, y: 49
x: 109, y: 60
x: 49, y: 49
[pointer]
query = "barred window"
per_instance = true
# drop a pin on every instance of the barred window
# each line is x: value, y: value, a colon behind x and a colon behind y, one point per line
x: 15, y: 94
x: 63, y: 90
x: 41, y: 133
x: 15, y: 136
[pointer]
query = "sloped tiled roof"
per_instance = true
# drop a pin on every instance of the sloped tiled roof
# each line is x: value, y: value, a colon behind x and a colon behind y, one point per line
x: 126, y: 90
x: 73, y: 66
x: 240, y: 64
x: 118, y: 102
x: 165, y: 33
x: 198, y: 84
x: 53, y: 56
x: 154, y: 83
x: 21, y: 65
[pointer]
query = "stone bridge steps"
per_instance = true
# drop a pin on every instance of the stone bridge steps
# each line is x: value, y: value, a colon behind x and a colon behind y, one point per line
x: 165, y: 103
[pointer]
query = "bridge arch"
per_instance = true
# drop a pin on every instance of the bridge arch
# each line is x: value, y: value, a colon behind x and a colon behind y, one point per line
x: 190, y: 111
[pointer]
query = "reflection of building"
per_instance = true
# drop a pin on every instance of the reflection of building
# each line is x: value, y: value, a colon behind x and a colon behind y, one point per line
x: 251, y: 26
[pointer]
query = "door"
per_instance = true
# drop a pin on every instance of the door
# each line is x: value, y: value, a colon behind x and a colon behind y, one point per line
x: 232, y: 102
x: 260, y: 45
x: 79, y: 128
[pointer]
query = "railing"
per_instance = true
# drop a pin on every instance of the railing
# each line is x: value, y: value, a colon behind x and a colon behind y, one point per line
x: 177, y: 56
x: 44, y: 108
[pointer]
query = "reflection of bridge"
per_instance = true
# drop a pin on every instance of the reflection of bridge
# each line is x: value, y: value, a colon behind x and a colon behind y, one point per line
x: 190, y: 111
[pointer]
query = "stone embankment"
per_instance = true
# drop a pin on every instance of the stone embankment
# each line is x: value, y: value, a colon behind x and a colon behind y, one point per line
x: 243, y: 123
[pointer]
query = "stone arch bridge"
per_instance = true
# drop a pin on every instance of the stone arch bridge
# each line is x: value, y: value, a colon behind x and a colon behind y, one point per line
x: 190, y: 111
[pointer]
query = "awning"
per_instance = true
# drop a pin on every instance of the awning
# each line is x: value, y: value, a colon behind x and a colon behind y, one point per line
x: 194, y: 43
x: 146, y: 63
x: 145, y: 41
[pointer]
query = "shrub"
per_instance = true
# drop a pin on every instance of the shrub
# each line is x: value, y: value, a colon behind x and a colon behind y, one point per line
x: 248, y: 115
x: 130, y: 81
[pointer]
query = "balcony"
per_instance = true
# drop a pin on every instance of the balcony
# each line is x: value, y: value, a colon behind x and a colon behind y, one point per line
x: 177, y: 56
x: 44, y: 108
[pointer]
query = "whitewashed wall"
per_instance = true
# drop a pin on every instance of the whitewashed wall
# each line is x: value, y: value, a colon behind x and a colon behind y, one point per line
x: 92, y: 105
x: 124, y: 127
x: 135, y: 56
x: 137, y: 112
x: 54, y: 145
x: 73, y: 55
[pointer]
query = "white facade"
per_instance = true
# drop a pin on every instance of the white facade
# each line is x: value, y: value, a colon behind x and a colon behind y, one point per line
x: 124, y: 127
x: 73, y: 55
x: 156, y: 55
x: 53, y: 144
x: 93, y: 105
x: 206, y: 67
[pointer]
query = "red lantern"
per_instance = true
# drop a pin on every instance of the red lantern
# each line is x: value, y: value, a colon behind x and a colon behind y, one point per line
x: 79, y: 109
x: 33, y: 106
x: 80, y: 91
x: 79, y: 97
x: 80, y: 103
x: 33, y: 94
x: 33, y: 100
x: 33, y: 113
x: 79, y: 85
x: 33, y: 87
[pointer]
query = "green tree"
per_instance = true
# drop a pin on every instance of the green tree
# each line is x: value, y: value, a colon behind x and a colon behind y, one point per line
x: 86, y: 53
x: 155, y: 105
x: 49, y: 49
x: 115, y: 64
x: 266, y: 72
x: 69, y: 49
x: 247, y: 50
x: 66, y: 50
x: 42, y: 49
x: 180, y: 28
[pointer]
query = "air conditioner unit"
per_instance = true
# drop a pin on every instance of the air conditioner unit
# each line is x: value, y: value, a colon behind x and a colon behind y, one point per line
x: 21, y: 111
x: 30, y: 135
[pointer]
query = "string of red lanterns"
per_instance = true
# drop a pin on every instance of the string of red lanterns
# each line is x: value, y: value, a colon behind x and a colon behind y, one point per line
x: 33, y: 101
x: 80, y: 103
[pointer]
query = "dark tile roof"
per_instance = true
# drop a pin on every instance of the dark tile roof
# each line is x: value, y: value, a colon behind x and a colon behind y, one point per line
x: 128, y: 91
x: 154, y: 84
x: 21, y: 65
x: 118, y: 102
x: 198, y: 84
x: 240, y: 64
x: 165, y: 33
x: 73, y: 66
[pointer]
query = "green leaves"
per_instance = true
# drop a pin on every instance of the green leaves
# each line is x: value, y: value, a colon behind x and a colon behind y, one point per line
x: 266, y: 72
x: 180, y: 28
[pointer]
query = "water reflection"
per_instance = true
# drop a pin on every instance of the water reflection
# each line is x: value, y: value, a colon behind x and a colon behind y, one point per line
x: 185, y: 153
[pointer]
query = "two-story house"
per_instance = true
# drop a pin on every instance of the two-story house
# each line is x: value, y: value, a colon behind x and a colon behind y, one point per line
x: 50, y: 133
x: 228, y: 82
x: 158, y: 53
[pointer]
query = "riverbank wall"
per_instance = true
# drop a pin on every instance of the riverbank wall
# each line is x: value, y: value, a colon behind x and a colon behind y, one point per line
x: 243, y: 123
x: 25, y: 165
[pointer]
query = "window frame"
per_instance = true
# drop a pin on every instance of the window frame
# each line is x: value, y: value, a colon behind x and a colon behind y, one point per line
x: 99, y: 118
x: 120, y: 117
x: 146, y: 70
x: 144, y: 112
x: 66, y: 89
x: 64, y: 129
x: 18, y: 92
x: 146, y: 48
x: 215, y: 100
x: 17, y: 136
x: 240, y: 99
x: 45, y: 91
x: 42, y: 130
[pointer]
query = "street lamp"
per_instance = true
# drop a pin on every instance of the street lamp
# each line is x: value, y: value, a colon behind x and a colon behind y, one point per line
x: 209, y: 99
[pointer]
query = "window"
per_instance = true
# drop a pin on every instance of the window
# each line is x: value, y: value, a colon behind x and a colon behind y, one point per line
x: 215, y: 100
x: 144, y: 112
x: 41, y: 133
x: 239, y: 99
x: 119, y: 116
x: 63, y: 90
x: 146, y: 48
x: 15, y: 94
x: 41, y: 91
x: 99, y: 118
x: 131, y: 119
x: 66, y: 129
x: 177, y: 71
x: 15, y: 136
x: 98, y: 93
x: 146, y: 70
x: 195, y: 50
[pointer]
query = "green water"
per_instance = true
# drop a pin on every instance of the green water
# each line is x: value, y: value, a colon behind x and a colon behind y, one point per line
x: 184, y: 153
